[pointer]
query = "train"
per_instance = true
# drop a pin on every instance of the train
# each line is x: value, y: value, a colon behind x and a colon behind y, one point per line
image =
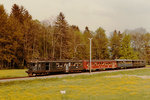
x: 46, y: 67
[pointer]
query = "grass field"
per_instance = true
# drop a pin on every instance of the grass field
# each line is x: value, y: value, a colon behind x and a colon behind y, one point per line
x: 13, y: 73
x: 123, y: 85
x: 147, y: 65
x: 17, y: 73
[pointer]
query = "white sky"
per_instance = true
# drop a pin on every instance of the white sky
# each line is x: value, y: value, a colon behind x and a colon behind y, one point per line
x: 108, y: 14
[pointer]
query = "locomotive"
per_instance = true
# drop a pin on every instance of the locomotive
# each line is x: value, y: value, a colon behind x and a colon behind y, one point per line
x: 67, y: 66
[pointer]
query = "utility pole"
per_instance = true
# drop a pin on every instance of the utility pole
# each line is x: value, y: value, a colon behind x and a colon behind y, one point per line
x: 90, y: 53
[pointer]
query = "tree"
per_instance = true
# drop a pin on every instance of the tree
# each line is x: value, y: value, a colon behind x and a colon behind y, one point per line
x: 3, y: 32
x: 61, y: 38
x: 87, y: 34
x: 100, y: 45
x: 146, y: 54
x: 115, y: 44
x: 140, y: 42
x: 20, y: 21
x: 78, y: 44
x: 126, y: 51
x: 20, y: 13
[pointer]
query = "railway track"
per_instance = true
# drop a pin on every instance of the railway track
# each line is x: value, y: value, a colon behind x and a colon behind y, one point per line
x: 63, y: 75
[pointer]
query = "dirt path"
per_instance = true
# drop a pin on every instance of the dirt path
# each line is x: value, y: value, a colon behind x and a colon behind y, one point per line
x: 64, y: 75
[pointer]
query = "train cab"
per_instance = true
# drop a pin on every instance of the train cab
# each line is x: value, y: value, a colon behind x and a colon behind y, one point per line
x: 47, y: 67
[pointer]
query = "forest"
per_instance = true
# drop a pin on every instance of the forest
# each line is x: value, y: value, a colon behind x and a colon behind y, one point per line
x: 23, y: 39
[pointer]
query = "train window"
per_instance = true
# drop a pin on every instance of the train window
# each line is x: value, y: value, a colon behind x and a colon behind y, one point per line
x: 69, y: 64
x: 33, y: 64
x: 64, y: 64
x: 47, y: 66
x: 57, y: 64
x: 39, y: 66
x: 60, y: 64
x: 79, y: 64
x: 76, y: 64
x: 95, y: 64
x: 73, y: 64
x: 99, y: 64
x: 53, y: 64
x: 87, y: 64
x: 128, y: 62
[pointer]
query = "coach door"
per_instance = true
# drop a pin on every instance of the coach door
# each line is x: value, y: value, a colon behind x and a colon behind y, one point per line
x: 67, y: 67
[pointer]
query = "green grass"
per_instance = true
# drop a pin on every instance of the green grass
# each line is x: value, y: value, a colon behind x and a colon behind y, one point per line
x: 123, y: 85
x: 147, y: 65
x: 17, y: 73
x: 13, y: 73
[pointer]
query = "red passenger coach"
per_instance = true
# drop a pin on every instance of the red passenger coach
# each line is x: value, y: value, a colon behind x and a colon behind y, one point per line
x: 99, y: 64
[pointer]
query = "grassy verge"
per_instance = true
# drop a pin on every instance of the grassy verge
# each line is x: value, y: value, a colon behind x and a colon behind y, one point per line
x: 124, y: 85
x: 12, y: 73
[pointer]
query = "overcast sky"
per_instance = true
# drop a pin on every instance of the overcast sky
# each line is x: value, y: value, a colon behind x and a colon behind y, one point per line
x: 108, y: 14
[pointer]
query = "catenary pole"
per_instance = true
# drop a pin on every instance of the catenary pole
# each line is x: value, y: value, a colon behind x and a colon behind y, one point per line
x: 90, y: 53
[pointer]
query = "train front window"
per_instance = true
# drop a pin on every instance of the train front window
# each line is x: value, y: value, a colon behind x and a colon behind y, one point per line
x: 34, y: 66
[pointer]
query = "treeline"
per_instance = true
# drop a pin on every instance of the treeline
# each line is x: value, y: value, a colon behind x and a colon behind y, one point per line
x: 23, y: 39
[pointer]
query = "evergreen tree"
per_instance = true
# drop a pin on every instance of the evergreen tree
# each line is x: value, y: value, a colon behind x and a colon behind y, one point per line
x: 62, y: 38
x: 115, y: 45
x: 77, y: 42
x: 19, y: 26
x: 100, y: 46
x: 126, y: 51
x: 3, y: 38
x: 87, y: 34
